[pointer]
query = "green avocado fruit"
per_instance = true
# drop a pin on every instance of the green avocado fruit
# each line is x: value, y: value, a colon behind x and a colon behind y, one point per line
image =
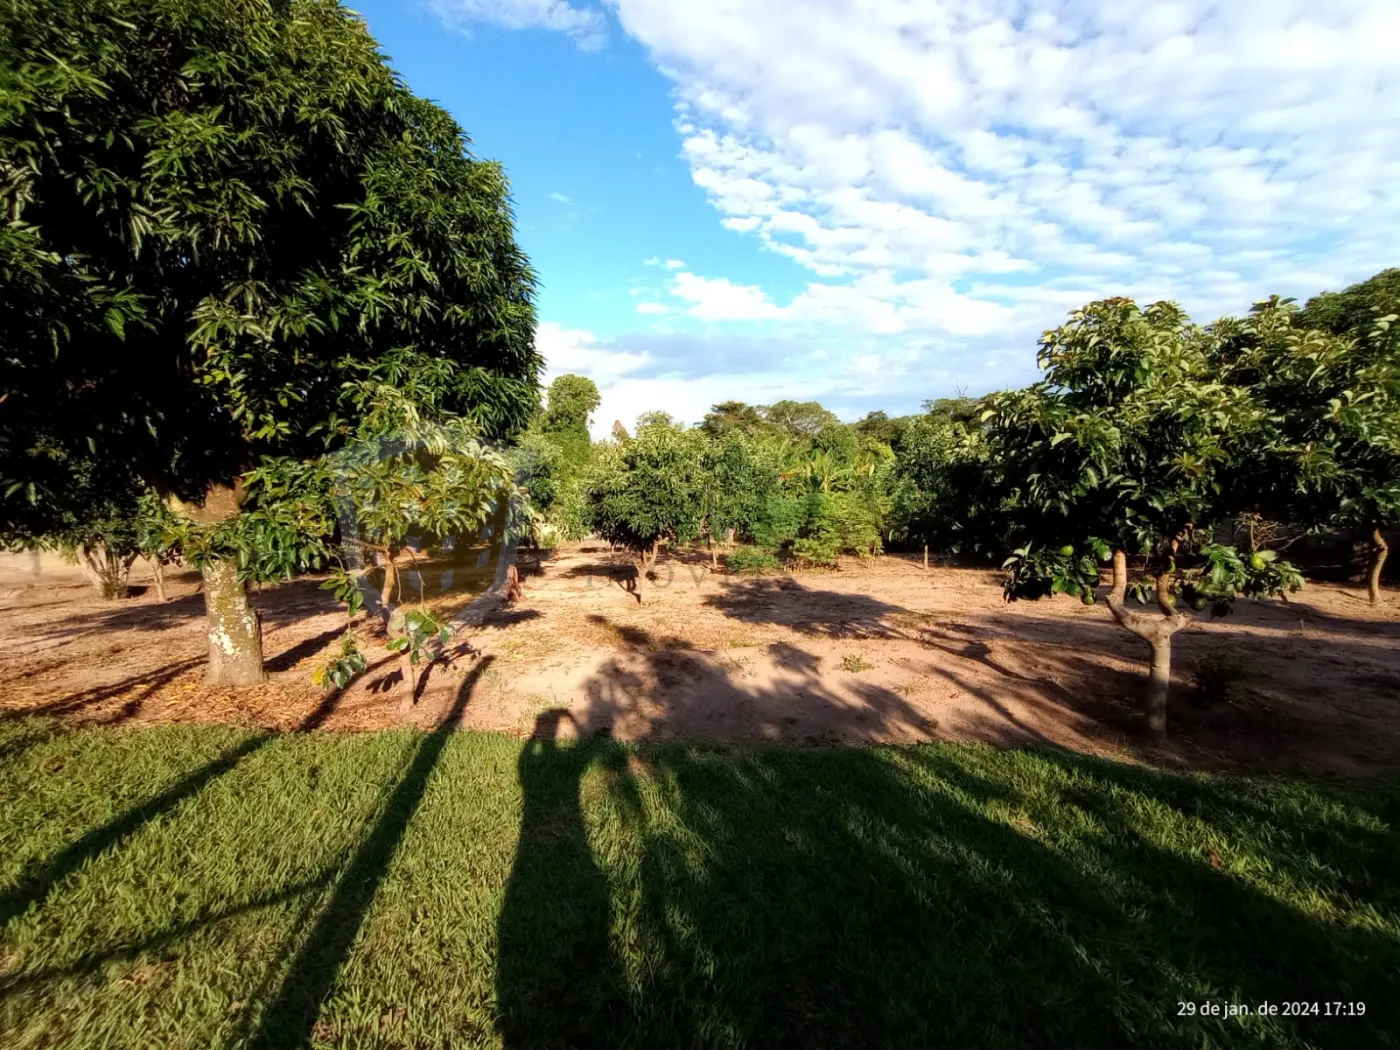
x: 1199, y: 603
x: 1257, y: 562
x: 1088, y: 598
x: 1067, y: 550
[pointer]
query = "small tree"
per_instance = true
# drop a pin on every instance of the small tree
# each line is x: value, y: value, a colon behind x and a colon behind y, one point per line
x: 102, y: 521
x: 409, y: 476
x: 1119, y: 451
x: 734, y: 483
x: 649, y: 494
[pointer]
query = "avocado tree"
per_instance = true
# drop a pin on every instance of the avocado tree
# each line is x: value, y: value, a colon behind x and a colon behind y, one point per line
x: 223, y: 219
x: 1329, y: 456
x: 649, y: 493
x: 1118, y: 452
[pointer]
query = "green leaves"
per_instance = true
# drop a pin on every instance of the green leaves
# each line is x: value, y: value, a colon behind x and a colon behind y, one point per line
x: 226, y: 222
x: 341, y: 669
x: 1038, y: 572
x: 420, y: 632
x: 652, y: 490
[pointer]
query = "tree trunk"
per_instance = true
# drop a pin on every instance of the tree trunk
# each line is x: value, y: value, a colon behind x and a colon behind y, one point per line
x: 1380, y: 550
x: 1156, y: 631
x: 105, y: 571
x: 235, y: 635
x: 1159, y: 685
x: 714, y: 555
x: 409, y: 685
x: 645, y: 563
x: 391, y: 581
x: 925, y: 557
x: 158, y: 577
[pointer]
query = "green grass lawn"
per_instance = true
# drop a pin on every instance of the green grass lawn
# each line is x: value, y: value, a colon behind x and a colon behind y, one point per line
x: 205, y: 887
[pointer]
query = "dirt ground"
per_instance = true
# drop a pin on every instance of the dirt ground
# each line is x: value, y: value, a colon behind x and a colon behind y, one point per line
x: 878, y: 653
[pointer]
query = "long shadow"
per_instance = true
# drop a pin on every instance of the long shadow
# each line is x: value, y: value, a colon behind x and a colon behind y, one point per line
x: 289, y: 658
x: 93, y: 961
x: 37, y: 883
x: 150, y: 681
x: 853, y: 898
x: 557, y: 981
x: 288, y: 1020
x: 655, y: 691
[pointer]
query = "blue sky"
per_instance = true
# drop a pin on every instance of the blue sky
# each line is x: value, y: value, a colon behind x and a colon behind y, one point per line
x: 880, y: 202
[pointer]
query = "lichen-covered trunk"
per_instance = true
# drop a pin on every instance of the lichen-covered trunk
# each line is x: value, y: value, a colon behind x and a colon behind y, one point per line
x: 235, y: 636
x: 1380, y: 550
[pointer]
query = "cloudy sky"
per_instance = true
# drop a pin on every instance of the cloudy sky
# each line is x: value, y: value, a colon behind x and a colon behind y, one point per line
x: 874, y: 202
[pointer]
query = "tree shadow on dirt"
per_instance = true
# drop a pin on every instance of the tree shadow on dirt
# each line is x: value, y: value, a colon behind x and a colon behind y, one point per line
x: 808, y: 610
x: 147, y: 684
x: 871, y: 898
x: 654, y: 691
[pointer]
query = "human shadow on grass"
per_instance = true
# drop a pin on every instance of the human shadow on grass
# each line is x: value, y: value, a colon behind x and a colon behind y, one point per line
x: 288, y: 1020
x: 921, y: 897
x: 557, y: 982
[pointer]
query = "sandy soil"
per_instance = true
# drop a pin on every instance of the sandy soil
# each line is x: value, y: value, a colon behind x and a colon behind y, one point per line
x: 887, y: 652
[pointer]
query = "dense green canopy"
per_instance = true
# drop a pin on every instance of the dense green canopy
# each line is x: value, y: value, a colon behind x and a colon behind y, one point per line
x: 219, y: 213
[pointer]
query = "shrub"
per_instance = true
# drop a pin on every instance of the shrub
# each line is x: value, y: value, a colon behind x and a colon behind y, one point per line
x: 838, y: 522
x: 751, y: 561
x: 779, y: 521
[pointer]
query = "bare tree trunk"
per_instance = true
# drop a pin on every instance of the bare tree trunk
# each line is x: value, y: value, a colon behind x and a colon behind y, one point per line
x: 158, y: 577
x: 1156, y: 631
x: 235, y: 635
x: 1159, y: 686
x: 714, y: 555
x: 409, y: 685
x: 105, y: 571
x: 391, y: 581
x: 1380, y: 550
x: 645, y: 561
x: 925, y: 557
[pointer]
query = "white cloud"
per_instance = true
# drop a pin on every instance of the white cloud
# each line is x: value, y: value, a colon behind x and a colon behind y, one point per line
x: 719, y: 299
x: 586, y: 26
x: 581, y: 353
x: 674, y: 264
x: 910, y: 156
x: 561, y: 198
x: 653, y: 308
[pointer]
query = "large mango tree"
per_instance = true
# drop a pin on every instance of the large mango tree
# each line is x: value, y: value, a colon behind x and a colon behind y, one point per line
x: 221, y: 221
